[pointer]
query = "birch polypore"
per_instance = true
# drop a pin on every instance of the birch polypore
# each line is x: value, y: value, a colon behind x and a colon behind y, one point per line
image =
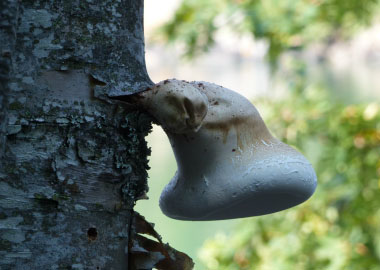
x: 229, y: 165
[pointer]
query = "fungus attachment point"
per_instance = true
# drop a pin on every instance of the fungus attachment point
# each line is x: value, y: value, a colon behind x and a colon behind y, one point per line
x: 229, y: 165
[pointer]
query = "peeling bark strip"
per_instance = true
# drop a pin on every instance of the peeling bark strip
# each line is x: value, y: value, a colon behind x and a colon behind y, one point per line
x: 147, y: 254
x: 74, y: 162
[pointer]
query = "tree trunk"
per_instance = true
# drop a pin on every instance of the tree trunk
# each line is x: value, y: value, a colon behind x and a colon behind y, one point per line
x: 73, y: 162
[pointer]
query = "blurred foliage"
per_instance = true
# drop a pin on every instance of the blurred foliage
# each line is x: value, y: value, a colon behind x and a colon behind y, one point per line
x: 338, y: 228
x: 285, y: 24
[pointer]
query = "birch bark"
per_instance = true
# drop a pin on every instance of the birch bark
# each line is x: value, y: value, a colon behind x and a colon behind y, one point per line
x: 73, y: 162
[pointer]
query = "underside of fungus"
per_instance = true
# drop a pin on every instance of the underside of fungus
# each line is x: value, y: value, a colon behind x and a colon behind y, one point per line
x: 229, y: 165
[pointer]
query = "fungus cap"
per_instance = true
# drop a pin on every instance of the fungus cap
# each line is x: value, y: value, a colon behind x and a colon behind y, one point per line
x: 229, y: 165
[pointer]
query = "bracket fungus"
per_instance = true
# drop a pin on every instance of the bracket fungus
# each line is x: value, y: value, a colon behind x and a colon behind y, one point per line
x: 229, y: 165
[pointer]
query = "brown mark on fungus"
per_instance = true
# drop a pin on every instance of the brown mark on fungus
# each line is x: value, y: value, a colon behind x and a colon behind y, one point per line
x: 261, y: 175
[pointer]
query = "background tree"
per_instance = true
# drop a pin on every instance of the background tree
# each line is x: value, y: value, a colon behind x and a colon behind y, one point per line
x: 289, y: 24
